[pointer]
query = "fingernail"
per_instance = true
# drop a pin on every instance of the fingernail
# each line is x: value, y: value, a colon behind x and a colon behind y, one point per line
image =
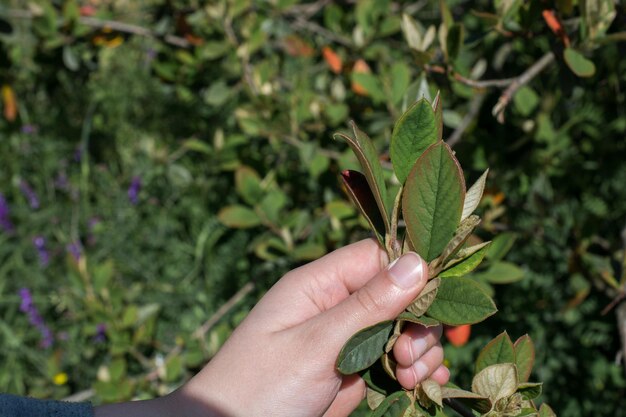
x: 421, y: 371
x: 407, y: 271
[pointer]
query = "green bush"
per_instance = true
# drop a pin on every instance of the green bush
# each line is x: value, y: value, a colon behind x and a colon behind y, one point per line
x: 233, y: 103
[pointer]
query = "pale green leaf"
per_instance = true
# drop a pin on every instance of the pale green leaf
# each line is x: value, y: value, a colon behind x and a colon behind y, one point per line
x: 462, y: 233
x: 412, y: 318
x: 496, y: 381
x: 412, y: 32
x: 374, y: 398
x: 248, y: 184
x: 239, y: 217
x: 473, y: 195
x: 412, y: 134
x: 432, y: 201
x: 433, y: 391
x: 425, y: 298
x: 501, y: 245
x: 461, y: 301
x: 438, y: 109
x: 364, y: 348
x: 467, y: 264
x: 546, y: 411
x: 501, y: 273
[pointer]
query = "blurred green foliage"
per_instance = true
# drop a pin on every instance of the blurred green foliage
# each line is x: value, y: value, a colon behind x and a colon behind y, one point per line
x: 227, y: 107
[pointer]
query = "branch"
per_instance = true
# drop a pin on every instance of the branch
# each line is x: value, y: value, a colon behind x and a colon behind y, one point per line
x: 300, y: 23
x: 111, y: 24
x: 474, y: 109
x: 458, y: 407
x: 523, y: 79
x: 223, y: 310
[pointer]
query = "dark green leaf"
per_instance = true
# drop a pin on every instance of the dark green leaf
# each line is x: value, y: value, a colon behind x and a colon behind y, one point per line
x: 360, y: 193
x: 454, y: 41
x: 498, y: 350
x: 394, y: 405
x: 525, y: 100
x: 412, y: 134
x: 577, y: 62
x: 364, y: 348
x: 433, y: 200
x: 530, y: 390
x: 524, y: 357
x: 367, y: 155
x: 461, y: 301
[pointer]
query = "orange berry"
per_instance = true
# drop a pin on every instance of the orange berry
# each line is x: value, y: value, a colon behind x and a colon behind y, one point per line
x: 360, y: 66
x: 332, y: 59
x: 458, y: 335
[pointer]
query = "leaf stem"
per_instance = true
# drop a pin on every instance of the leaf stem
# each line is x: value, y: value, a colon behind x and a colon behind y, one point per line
x: 393, y: 247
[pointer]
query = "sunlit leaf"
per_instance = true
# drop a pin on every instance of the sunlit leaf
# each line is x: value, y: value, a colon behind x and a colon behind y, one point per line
x: 425, y: 298
x: 498, y: 350
x: 433, y: 391
x: 239, y: 217
x: 461, y: 301
x: 467, y: 265
x: 496, y: 381
x: 473, y: 195
x: 524, y: 357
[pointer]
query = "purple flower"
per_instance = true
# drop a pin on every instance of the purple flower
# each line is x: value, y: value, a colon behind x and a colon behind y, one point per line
x: 29, y: 129
x: 75, y: 249
x: 5, y: 221
x: 29, y: 193
x: 100, y: 336
x: 133, y: 190
x: 40, y: 244
x: 28, y: 307
x: 61, y: 182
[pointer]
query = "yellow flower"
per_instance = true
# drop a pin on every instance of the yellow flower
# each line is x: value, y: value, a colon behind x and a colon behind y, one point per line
x: 60, y: 378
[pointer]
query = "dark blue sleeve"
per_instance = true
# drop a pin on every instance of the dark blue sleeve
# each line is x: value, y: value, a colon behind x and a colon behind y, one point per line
x: 14, y: 406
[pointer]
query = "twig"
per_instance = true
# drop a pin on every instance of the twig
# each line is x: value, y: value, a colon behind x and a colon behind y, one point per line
x: 111, y: 24
x: 458, y: 407
x: 523, y: 79
x: 504, y: 82
x: 307, y: 10
x: 223, y: 310
x: 474, y: 108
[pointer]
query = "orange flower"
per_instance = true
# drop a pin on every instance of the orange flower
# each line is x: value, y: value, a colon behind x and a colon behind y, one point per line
x: 360, y: 66
x: 332, y: 59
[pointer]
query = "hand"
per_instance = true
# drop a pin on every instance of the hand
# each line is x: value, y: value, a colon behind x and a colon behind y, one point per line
x: 280, y: 361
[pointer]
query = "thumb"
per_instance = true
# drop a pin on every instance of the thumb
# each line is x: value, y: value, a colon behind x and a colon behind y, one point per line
x: 382, y: 298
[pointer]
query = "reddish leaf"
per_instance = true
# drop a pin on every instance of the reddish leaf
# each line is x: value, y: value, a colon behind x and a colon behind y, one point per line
x: 361, y: 194
x: 332, y: 59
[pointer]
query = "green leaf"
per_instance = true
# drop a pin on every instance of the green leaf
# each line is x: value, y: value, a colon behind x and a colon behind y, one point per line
x: 308, y: 252
x: 461, y: 301
x: 473, y: 195
x: 394, y: 405
x: 438, y: 109
x: 433, y: 200
x: 412, y: 32
x: 374, y: 398
x: 546, y: 411
x: 371, y: 84
x: 360, y: 193
x: 425, y: 298
x: 367, y: 155
x: 454, y: 41
x: 400, y: 80
x: 462, y: 233
x: 524, y: 357
x: 498, y: 350
x: 501, y: 245
x: 530, y: 390
x: 238, y: 217
x: 248, y: 184
x: 577, y: 62
x: 272, y: 205
x: 412, y: 318
x: 364, y: 348
x: 70, y: 59
x: 412, y: 134
x: 496, y: 381
x: 467, y: 265
x: 502, y: 273
x: 525, y: 100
